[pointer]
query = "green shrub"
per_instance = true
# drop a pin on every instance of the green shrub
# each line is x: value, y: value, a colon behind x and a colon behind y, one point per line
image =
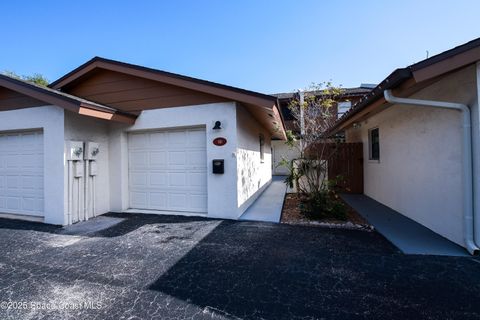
x: 323, y: 205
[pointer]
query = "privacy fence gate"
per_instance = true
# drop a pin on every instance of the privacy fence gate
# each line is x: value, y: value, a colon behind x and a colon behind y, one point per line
x: 345, y: 160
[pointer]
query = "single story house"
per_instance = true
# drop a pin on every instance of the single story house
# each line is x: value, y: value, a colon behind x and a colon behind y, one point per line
x: 112, y: 136
x: 421, y: 142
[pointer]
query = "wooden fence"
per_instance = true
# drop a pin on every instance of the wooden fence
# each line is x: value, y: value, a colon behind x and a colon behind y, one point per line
x: 344, y: 160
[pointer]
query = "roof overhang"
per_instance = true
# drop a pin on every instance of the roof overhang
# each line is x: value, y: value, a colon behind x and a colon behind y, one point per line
x: 246, y: 97
x: 406, y: 81
x: 70, y: 103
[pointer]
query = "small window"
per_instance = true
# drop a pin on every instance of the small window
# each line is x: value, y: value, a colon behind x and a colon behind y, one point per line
x: 374, y: 143
x: 261, y: 140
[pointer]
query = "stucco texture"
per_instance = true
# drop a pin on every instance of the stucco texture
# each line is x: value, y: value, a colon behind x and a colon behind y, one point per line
x: 253, y: 173
x: 50, y: 120
x: 419, y: 173
x: 229, y: 194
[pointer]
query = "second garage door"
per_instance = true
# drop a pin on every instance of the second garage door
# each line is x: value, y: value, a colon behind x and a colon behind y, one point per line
x: 21, y: 173
x: 168, y: 170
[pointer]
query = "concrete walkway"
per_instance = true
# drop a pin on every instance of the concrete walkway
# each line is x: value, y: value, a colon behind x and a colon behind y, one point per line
x: 409, y: 236
x: 268, y: 206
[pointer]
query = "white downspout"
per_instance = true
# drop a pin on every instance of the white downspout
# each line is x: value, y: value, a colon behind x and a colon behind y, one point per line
x: 86, y: 206
x: 301, y: 98
x: 468, y: 212
x: 70, y: 192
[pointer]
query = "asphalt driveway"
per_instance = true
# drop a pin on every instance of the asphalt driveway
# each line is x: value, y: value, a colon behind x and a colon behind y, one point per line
x: 165, y: 267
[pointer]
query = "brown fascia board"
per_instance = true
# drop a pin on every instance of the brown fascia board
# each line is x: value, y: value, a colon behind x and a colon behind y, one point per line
x: 39, y: 93
x: 393, y: 80
x: 451, y: 62
x: 267, y: 102
x: 423, y: 72
x: 236, y: 94
x: 278, y: 114
x: 63, y: 100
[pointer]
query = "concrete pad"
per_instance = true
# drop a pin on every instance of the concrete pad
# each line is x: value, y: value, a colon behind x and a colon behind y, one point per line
x: 268, y: 206
x: 407, y: 235
x: 91, y: 226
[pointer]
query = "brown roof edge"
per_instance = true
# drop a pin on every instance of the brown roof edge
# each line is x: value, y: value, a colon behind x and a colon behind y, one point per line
x: 213, y: 88
x: 446, y: 54
x: 278, y: 113
x: 54, y: 97
x: 422, y: 71
x: 393, y: 80
x: 67, y: 78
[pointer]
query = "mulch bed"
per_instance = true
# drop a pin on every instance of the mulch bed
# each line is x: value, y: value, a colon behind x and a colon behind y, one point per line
x: 291, y: 214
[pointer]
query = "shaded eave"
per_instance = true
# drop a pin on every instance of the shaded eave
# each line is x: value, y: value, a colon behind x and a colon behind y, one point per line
x: 66, y: 101
x: 409, y: 80
x: 232, y: 93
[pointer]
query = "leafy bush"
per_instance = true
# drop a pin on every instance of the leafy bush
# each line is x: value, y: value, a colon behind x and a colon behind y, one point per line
x: 323, y: 205
x: 36, y: 78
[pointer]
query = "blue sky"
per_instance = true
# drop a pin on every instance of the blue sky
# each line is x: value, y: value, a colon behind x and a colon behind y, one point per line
x: 266, y: 46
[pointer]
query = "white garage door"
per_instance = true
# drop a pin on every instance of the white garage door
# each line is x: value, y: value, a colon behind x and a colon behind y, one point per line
x: 168, y: 170
x: 21, y: 173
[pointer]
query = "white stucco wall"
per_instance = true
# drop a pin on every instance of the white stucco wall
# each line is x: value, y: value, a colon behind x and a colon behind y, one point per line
x: 222, y: 198
x: 50, y: 119
x: 419, y: 172
x: 82, y: 128
x: 229, y: 194
x: 475, y: 113
x: 253, y: 175
x: 282, y: 151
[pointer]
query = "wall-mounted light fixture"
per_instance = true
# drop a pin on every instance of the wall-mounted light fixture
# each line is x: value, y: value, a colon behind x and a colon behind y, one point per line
x: 217, y: 126
x: 356, y: 125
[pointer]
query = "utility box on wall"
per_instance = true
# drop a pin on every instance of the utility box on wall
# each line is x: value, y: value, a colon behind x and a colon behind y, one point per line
x: 92, y: 149
x: 74, y: 150
x: 218, y: 166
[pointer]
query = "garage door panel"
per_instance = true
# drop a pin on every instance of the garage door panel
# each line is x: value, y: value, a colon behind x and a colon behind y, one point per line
x: 30, y: 160
x: 158, y: 179
x: 197, y: 179
x: 158, y: 140
x: 177, y: 158
x: 177, y: 200
x: 158, y: 159
x: 32, y: 204
x: 29, y: 183
x: 13, y: 203
x: 158, y: 201
x: 13, y: 182
x: 137, y: 141
x: 197, y: 200
x: 139, y: 179
x: 176, y: 170
x: 12, y: 161
x: 21, y: 173
x: 138, y: 159
x: 177, y: 179
x: 177, y: 140
x: 138, y: 199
